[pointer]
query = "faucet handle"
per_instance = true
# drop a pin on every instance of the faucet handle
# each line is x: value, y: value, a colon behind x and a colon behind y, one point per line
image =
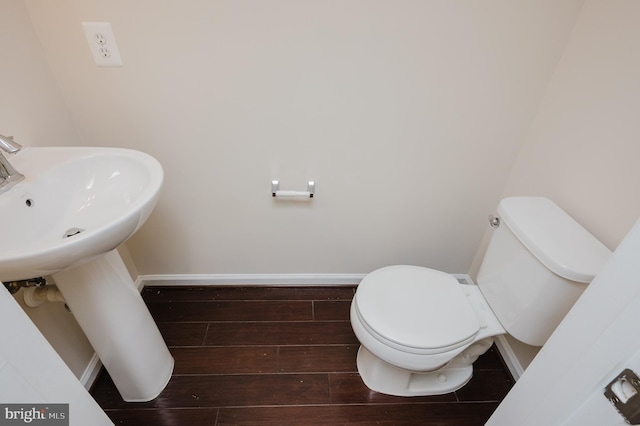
x: 9, y: 145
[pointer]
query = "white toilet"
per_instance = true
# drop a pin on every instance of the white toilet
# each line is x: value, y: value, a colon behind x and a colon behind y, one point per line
x: 420, y: 330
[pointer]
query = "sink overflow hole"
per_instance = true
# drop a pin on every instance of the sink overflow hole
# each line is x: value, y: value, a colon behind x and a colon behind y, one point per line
x: 29, y: 202
x: 71, y: 232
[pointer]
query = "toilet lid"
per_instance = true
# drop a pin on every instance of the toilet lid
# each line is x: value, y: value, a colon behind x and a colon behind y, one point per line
x: 416, y: 307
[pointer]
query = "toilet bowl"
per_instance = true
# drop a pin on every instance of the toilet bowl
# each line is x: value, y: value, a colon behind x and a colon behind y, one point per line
x: 424, y: 327
x: 421, y: 330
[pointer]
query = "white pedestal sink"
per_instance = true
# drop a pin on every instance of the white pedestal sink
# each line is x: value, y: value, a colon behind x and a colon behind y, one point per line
x: 118, y: 324
x: 65, y: 219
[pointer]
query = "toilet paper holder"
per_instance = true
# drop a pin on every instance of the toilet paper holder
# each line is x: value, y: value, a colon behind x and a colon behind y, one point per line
x: 277, y: 192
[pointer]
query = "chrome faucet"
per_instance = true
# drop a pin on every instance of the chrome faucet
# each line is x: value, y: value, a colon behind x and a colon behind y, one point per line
x: 8, y: 175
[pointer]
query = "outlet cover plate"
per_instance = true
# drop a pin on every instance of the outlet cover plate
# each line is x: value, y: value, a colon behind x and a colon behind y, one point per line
x: 102, y: 44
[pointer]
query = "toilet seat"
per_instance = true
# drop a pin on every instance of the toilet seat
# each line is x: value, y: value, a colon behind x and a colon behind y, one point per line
x: 416, y: 310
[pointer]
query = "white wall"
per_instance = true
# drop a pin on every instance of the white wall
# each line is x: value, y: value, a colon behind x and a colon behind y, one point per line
x: 31, y: 107
x: 33, y: 111
x: 583, y: 147
x: 408, y: 115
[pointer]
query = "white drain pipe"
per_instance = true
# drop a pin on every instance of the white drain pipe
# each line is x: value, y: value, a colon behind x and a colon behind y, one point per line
x: 36, y: 296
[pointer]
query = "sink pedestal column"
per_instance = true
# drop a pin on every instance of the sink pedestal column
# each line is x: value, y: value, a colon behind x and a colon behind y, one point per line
x: 111, y: 312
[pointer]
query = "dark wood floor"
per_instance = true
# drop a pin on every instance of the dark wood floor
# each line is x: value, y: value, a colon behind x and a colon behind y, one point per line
x: 281, y: 356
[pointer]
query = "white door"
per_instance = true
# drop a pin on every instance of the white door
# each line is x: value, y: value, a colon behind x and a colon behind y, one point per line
x: 31, y: 372
x: 597, y: 340
x: 597, y: 410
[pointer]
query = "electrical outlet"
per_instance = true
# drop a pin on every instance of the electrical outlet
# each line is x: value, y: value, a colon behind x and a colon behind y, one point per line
x: 102, y: 44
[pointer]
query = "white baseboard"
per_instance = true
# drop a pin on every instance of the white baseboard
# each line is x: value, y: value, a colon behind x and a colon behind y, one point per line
x: 249, y: 279
x: 91, y: 372
x: 509, y: 356
x: 259, y: 279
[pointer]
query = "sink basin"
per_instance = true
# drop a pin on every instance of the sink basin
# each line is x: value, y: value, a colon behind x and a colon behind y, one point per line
x: 65, y: 219
x: 74, y: 204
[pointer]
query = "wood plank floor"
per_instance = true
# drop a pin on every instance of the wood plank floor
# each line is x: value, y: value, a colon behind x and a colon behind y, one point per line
x: 281, y: 356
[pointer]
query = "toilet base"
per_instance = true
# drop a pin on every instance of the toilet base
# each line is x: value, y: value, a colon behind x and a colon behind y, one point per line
x: 383, y: 377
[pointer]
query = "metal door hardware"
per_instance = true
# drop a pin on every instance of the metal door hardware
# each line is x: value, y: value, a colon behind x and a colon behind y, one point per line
x: 624, y: 393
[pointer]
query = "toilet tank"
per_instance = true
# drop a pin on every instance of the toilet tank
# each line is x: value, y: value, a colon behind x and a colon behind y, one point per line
x: 538, y: 262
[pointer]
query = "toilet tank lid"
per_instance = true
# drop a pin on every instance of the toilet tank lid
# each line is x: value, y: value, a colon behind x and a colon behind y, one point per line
x: 554, y: 237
